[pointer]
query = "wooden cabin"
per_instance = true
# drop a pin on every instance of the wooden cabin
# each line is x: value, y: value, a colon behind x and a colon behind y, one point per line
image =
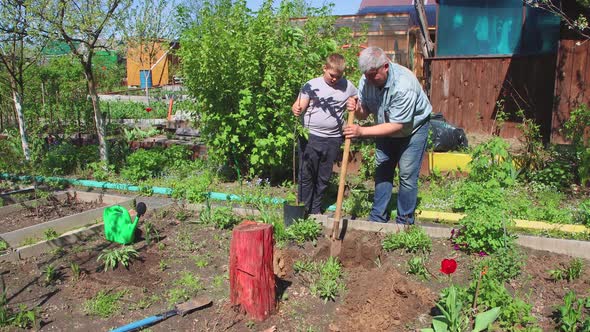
x: 156, y: 56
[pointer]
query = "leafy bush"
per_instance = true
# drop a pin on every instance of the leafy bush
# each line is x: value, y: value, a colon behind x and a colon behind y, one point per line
x: 582, y: 214
x: 491, y: 160
x: 413, y: 240
x: 575, y: 129
x: 247, y: 122
x: 504, y: 265
x: 60, y: 160
x: 143, y: 164
x: 304, y: 230
x: 471, y: 195
x: 484, y: 230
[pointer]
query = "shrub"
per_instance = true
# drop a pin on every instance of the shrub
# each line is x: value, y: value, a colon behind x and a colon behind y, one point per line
x: 484, y: 230
x: 492, y: 160
x: 247, y: 122
x: 143, y: 164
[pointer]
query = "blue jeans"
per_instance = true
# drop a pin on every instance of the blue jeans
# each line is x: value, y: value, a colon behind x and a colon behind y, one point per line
x: 406, y: 153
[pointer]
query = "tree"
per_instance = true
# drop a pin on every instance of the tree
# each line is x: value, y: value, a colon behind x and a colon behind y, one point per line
x: 19, y: 49
x: 86, y: 26
x: 579, y: 24
x: 245, y: 68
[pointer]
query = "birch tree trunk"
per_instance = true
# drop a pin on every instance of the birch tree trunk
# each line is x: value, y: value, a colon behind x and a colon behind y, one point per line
x: 18, y: 108
x: 98, y: 119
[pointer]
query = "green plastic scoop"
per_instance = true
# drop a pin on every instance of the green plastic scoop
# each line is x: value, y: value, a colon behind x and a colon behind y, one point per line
x: 118, y: 226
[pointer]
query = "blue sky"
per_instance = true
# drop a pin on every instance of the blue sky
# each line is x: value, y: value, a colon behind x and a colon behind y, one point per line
x: 342, y: 7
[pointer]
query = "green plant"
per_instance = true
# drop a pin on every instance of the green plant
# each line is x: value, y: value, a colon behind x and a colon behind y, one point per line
x: 358, y: 203
x: 483, y: 230
x: 104, y: 304
x: 455, y: 318
x: 143, y: 164
x: 413, y: 240
x: 304, y: 230
x: 570, y: 313
x: 50, y: 234
x: 3, y: 245
x: 218, y: 281
x: 416, y: 266
x: 328, y: 286
x: 504, y: 265
x: 163, y: 265
x: 581, y: 216
x: 570, y: 273
x: 185, y: 287
x: 24, y: 318
x: 151, y: 233
x: 111, y: 258
x: 303, y: 266
x: 268, y: 84
x: 75, y: 271
x: 50, y: 274
x: 491, y: 160
x: 201, y: 261
x: 575, y: 129
x: 220, y: 217
x: 472, y: 195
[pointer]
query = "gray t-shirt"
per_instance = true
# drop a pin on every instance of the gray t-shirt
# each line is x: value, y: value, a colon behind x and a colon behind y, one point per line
x: 324, y: 115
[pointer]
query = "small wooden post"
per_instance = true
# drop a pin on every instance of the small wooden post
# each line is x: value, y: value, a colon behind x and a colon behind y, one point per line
x: 251, y: 275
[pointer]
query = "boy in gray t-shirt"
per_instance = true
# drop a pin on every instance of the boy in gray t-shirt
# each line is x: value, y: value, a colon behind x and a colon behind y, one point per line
x: 322, y: 102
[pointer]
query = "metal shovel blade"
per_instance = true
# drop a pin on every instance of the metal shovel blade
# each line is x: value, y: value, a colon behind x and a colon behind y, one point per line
x: 188, y: 306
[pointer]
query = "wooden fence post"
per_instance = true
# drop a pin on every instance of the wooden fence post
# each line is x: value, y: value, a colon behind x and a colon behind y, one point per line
x: 251, y: 275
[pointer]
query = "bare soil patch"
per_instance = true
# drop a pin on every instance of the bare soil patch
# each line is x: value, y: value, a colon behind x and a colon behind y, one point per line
x: 380, y: 295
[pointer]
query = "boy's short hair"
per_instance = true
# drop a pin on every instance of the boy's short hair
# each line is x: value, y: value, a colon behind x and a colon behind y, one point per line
x: 336, y: 61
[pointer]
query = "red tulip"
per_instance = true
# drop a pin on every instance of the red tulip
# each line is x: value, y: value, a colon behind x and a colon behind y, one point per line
x: 448, y: 266
x: 148, y: 109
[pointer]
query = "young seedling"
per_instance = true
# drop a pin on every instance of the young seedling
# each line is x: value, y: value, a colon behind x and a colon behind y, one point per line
x: 50, y: 274
x: 112, y: 258
x: 75, y: 271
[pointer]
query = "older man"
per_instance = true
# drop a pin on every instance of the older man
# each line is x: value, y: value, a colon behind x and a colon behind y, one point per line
x: 402, y: 110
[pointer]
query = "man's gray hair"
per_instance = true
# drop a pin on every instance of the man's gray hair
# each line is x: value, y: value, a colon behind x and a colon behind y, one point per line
x: 372, y: 58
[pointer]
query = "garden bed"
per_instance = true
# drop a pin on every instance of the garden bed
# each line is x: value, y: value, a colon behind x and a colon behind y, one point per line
x: 181, y: 260
x: 29, y: 222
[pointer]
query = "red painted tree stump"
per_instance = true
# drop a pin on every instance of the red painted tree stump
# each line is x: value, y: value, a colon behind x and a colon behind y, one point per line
x: 251, y: 275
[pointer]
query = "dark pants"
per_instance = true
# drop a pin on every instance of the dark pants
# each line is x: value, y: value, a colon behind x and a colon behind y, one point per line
x: 316, y: 159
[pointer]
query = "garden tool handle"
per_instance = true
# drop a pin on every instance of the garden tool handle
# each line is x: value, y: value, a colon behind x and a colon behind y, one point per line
x: 342, y: 183
x: 144, y: 322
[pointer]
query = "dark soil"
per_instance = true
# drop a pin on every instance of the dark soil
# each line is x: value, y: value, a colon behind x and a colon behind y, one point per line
x: 54, y: 208
x: 380, y: 295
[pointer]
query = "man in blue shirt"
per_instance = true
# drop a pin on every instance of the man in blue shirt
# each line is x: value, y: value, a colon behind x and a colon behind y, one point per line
x: 401, y: 110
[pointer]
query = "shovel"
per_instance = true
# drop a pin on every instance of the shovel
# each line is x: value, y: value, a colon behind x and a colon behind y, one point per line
x: 336, y: 243
x: 180, y: 309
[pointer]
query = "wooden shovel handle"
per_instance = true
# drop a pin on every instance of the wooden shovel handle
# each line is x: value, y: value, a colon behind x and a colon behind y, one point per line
x: 342, y: 183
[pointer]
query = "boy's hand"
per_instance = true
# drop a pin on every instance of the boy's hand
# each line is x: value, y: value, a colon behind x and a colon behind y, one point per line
x: 132, y: 214
x: 297, y: 110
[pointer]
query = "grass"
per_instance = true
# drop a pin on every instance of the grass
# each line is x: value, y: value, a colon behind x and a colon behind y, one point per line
x: 104, y: 304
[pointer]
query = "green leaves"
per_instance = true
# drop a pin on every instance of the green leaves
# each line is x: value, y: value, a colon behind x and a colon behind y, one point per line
x: 247, y: 69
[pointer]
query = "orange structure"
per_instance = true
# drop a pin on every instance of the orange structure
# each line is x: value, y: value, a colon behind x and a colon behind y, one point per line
x: 142, y: 57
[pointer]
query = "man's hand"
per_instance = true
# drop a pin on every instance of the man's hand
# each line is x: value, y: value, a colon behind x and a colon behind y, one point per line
x: 352, y: 131
x: 352, y: 103
x: 297, y: 110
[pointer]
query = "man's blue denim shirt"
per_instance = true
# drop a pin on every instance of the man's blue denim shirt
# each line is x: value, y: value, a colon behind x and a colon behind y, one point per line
x: 402, y: 100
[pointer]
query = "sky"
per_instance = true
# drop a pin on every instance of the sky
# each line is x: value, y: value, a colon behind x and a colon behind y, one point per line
x: 342, y: 7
